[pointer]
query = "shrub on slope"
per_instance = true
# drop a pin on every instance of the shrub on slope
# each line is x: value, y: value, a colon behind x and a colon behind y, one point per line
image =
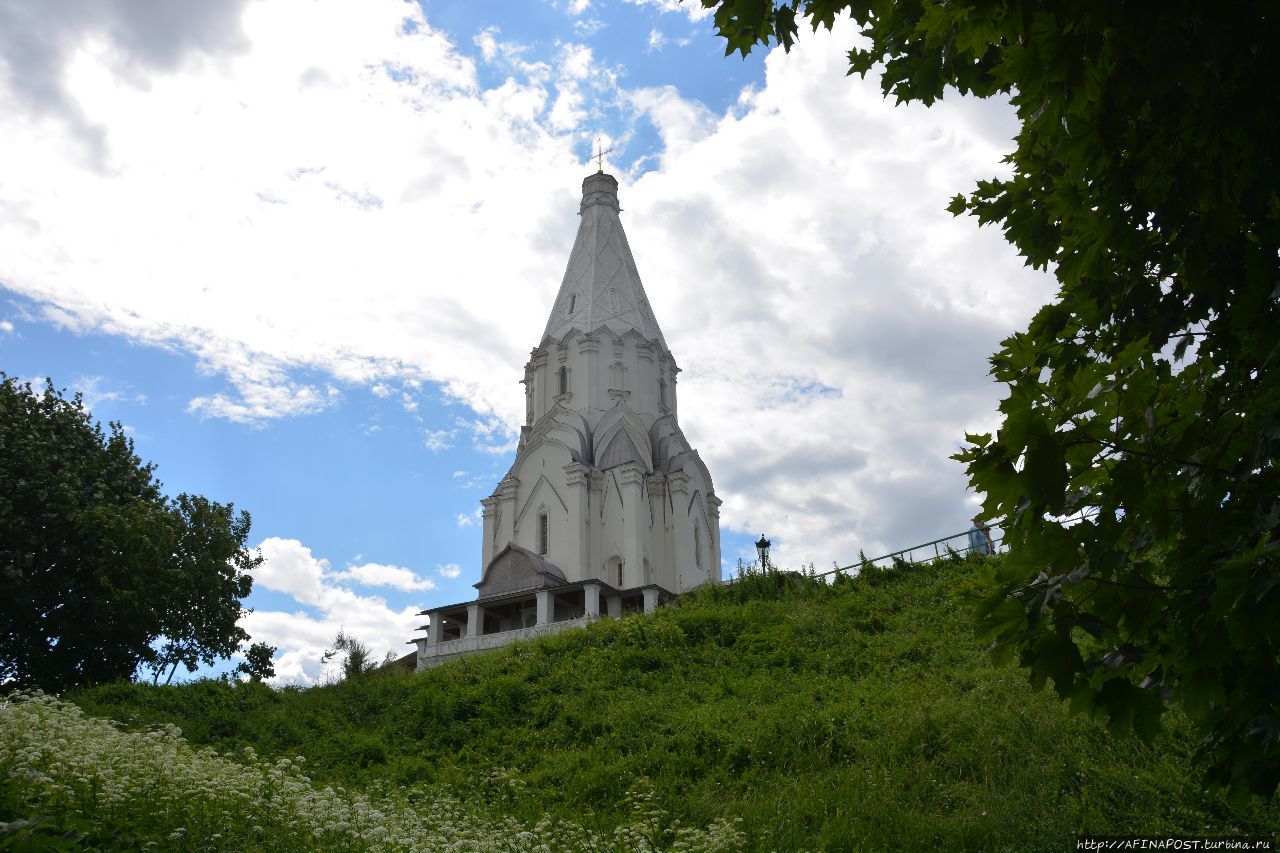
x: 860, y: 714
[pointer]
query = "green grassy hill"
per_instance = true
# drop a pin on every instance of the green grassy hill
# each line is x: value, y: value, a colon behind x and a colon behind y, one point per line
x: 860, y: 715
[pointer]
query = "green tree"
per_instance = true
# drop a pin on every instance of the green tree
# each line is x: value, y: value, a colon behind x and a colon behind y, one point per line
x: 258, y: 663
x: 1145, y: 176
x: 100, y: 573
x: 357, y: 659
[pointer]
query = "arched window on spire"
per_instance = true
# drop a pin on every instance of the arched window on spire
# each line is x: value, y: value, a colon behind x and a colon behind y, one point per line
x: 544, y: 534
x: 564, y: 380
x: 697, y: 546
x: 613, y: 300
x: 573, y: 302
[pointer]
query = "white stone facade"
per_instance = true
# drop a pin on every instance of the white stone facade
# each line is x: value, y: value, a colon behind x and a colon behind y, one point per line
x: 606, y: 498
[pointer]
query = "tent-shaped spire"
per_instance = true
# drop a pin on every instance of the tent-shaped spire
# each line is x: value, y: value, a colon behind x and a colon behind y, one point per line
x: 601, y: 286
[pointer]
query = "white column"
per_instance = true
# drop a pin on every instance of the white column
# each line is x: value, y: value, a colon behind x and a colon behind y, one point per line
x: 614, y: 604
x: 683, y: 564
x: 579, y: 522
x: 635, y: 523
x: 435, y: 628
x: 475, y: 620
x: 544, y: 607
x: 650, y: 599
x: 591, y: 599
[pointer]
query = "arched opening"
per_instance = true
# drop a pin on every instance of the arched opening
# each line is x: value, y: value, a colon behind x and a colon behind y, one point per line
x: 613, y: 572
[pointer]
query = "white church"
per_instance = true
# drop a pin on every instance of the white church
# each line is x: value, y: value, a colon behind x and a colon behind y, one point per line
x: 607, y: 508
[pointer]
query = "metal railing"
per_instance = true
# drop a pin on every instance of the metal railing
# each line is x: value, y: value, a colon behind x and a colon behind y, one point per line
x: 940, y: 548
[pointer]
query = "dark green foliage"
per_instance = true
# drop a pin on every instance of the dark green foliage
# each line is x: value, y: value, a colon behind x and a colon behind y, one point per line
x: 1146, y: 175
x: 855, y: 715
x: 258, y: 663
x: 96, y: 564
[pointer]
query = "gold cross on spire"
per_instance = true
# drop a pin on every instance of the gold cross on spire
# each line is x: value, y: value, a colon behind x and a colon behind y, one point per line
x: 599, y: 155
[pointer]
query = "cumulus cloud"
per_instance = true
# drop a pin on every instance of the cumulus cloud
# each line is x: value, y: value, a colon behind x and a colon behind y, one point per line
x: 6, y: 326
x: 856, y: 313
x: 449, y: 570
x: 377, y: 574
x: 353, y: 208
x: 327, y: 604
x: 323, y: 203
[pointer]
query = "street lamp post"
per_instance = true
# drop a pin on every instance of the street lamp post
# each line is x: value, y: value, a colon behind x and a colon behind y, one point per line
x: 762, y: 547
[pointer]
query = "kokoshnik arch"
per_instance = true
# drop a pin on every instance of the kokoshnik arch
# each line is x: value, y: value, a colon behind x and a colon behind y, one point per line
x: 607, y: 508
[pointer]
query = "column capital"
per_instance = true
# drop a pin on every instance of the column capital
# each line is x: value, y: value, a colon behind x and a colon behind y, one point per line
x: 679, y: 482
x: 576, y: 474
x: 631, y: 474
x: 507, y: 488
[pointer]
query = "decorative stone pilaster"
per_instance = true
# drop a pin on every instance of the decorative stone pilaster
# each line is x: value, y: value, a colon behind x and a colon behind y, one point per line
x: 631, y: 482
x: 577, y: 498
x: 490, y: 512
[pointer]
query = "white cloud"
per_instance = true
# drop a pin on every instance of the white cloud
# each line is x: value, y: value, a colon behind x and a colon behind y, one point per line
x: 338, y: 197
x: 377, y: 574
x: 258, y: 211
x: 449, y: 570
x: 6, y: 326
x: 656, y: 39
x: 470, y: 519
x: 857, y: 313
x: 695, y: 11
x: 301, y: 637
x: 438, y: 440
x: 577, y: 7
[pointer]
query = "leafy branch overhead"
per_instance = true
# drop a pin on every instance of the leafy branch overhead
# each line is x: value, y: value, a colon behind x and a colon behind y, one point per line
x: 1145, y: 177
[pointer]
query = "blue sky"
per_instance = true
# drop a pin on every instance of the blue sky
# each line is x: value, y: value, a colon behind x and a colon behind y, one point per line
x: 302, y: 251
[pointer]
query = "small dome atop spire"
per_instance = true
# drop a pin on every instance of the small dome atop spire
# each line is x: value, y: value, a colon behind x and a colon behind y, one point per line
x: 599, y: 189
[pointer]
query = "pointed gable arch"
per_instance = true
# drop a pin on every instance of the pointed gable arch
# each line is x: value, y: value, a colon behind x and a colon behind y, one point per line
x: 619, y: 451
x: 621, y: 419
x: 541, y: 487
x: 697, y: 508
x: 564, y: 427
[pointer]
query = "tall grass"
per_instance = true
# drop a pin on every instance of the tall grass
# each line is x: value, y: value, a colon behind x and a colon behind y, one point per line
x: 858, y: 714
x: 73, y: 779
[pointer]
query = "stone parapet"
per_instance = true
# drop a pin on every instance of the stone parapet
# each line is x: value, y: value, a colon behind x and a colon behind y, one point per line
x: 434, y: 654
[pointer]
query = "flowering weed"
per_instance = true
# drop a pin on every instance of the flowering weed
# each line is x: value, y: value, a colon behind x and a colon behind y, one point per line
x: 68, y: 779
